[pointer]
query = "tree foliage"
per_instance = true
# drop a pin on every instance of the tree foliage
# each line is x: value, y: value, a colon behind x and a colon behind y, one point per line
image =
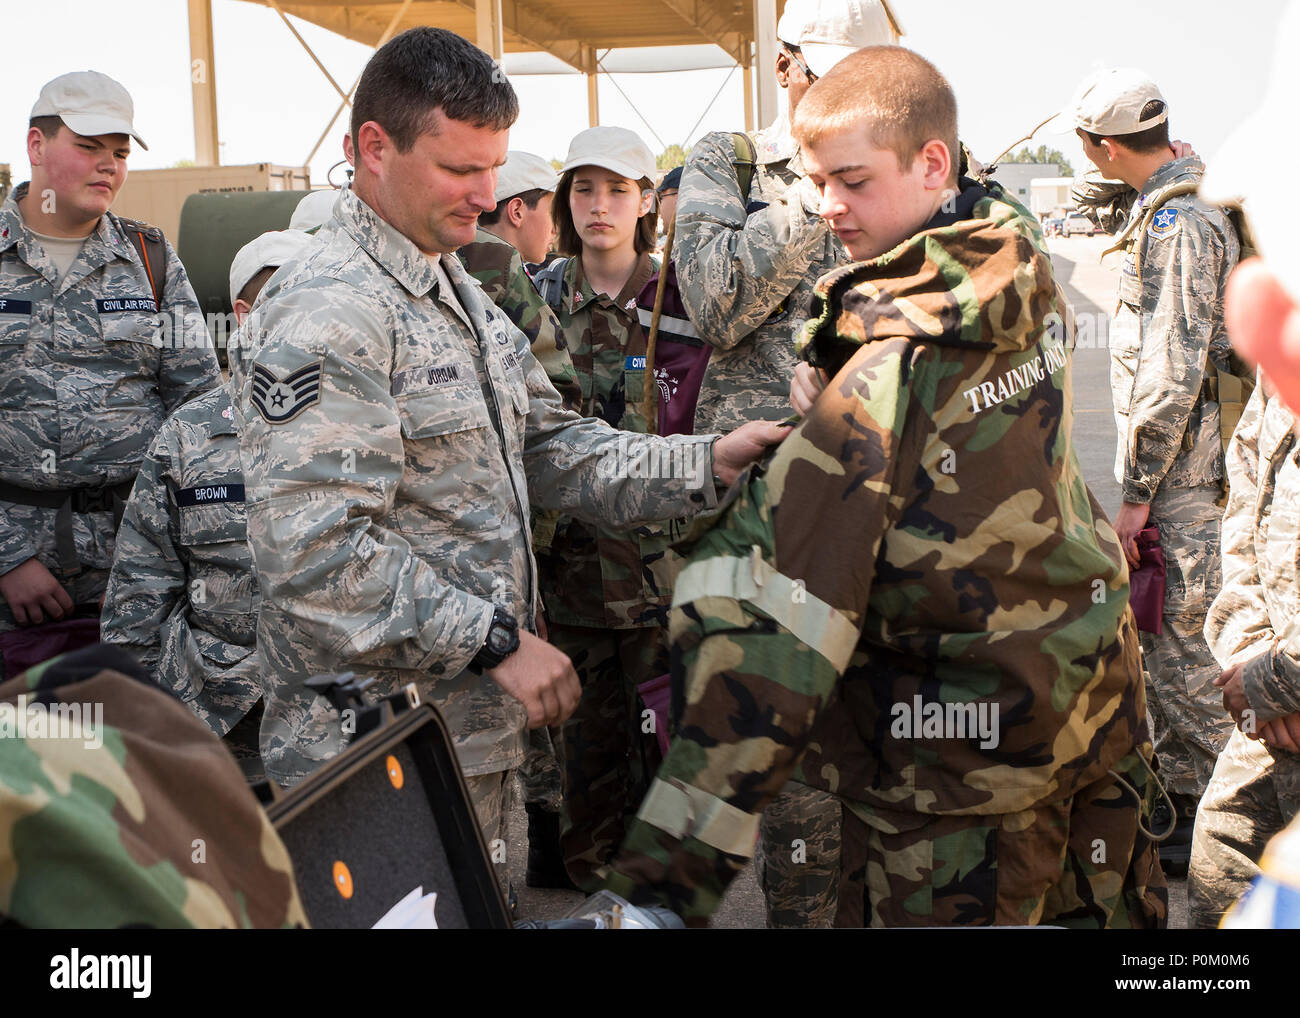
x: 1042, y: 154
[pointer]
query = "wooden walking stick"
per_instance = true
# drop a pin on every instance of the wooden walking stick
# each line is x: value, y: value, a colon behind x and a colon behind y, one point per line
x: 650, y: 397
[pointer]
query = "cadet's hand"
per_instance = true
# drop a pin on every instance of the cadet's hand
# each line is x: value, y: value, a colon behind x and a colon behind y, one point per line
x: 1181, y: 149
x: 1234, y: 693
x: 806, y: 386
x: 542, y: 678
x: 1283, y: 732
x: 1264, y: 324
x: 32, y: 593
x: 1129, y: 521
x: 734, y: 452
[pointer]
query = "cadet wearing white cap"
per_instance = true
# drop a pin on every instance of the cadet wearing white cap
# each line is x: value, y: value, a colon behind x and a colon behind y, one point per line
x: 749, y: 248
x: 182, y: 595
x: 1170, y: 359
x: 315, y: 209
x: 522, y: 218
x: 100, y: 338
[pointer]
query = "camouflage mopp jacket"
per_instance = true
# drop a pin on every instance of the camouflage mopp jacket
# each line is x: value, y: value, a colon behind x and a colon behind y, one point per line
x: 916, y: 600
x: 118, y: 807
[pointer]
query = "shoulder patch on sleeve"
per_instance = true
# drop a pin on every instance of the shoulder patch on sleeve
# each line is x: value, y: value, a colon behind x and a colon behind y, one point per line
x: 280, y: 400
x: 1164, y: 223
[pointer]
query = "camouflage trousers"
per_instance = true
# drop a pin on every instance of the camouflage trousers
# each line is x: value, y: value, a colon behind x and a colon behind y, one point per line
x: 493, y: 799
x: 539, y: 775
x: 798, y: 858
x: 1082, y: 862
x: 606, y: 757
x: 1255, y: 792
x: 1189, y: 724
x: 242, y: 741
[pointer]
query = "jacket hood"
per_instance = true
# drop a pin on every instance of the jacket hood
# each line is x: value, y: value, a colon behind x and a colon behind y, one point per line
x: 977, y: 277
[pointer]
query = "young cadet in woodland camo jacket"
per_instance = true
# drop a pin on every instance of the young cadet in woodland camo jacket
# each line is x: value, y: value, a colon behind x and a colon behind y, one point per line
x: 916, y: 603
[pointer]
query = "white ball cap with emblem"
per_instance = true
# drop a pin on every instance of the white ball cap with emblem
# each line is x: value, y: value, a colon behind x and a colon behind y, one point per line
x: 1113, y: 102
x: 826, y: 31
x: 1247, y: 167
x: 612, y: 148
x: 270, y: 249
x: 522, y: 172
x: 90, y: 103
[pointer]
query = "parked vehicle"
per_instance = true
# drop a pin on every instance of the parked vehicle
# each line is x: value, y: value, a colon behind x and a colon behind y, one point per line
x: 1077, y: 222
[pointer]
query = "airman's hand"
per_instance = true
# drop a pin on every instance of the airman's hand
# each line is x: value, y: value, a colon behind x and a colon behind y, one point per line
x: 32, y: 592
x: 541, y: 677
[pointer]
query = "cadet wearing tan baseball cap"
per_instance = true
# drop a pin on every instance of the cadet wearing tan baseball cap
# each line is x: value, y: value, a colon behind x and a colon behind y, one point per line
x: 524, y: 172
x: 826, y: 31
x: 1116, y: 102
x: 90, y: 104
x: 612, y: 148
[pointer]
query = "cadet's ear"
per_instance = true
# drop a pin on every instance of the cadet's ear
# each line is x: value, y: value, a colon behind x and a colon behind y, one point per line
x: 515, y: 211
x: 35, y: 146
x: 936, y: 164
x: 783, y: 65
x: 242, y: 307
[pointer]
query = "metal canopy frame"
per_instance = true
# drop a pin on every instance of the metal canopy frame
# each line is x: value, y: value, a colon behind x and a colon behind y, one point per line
x: 577, y: 32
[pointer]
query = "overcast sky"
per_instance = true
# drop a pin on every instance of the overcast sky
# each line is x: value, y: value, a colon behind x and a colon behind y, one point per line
x: 1011, y: 63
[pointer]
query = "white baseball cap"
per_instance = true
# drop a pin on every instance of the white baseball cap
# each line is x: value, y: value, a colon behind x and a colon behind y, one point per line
x: 826, y: 31
x: 270, y: 249
x: 90, y: 104
x: 1249, y: 166
x: 314, y: 210
x: 522, y: 172
x: 1112, y: 102
x: 613, y: 148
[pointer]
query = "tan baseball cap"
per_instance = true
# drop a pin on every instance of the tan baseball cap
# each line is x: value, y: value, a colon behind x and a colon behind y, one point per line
x: 522, y: 172
x: 270, y: 249
x: 826, y: 31
x: 1112, y: 102
x: 90, y: 103
x: 614, y: 148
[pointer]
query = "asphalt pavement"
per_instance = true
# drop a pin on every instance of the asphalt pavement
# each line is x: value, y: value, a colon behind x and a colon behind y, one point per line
x: 1090, y: 287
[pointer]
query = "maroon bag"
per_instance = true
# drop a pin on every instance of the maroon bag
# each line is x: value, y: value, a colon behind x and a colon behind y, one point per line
x: 23, y: 648
x: 657, y: 694
x: 1146, y: 583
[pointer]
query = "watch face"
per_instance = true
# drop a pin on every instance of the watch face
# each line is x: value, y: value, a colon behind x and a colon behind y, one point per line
x: 498, y: 639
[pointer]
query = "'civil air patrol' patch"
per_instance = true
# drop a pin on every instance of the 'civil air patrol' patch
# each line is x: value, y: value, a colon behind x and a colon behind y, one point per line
x: 1163, y: 224
x: 280, y: 400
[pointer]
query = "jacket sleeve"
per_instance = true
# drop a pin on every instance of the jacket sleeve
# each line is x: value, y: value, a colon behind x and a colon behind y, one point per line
x: 735, y: 268
x: 16, y: 545
x: 1238, y: 627
x: 146, y: 585
x: 582, y: 466
x: 320, y: 485
x: 189, y: 361
x: 763, y: 625
x: 1182, y: 299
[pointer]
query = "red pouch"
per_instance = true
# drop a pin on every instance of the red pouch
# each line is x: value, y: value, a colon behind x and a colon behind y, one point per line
x: 1146, y: 583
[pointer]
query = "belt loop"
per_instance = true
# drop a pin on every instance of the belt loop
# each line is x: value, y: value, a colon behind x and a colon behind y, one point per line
x: 65, y: 542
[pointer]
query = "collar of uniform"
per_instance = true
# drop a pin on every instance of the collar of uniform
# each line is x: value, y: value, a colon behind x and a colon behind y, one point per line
x: 775, y: 143
x: 575, y: 283
x: 106, y: 242
x: 395, y: 253
x: 1189, y: 167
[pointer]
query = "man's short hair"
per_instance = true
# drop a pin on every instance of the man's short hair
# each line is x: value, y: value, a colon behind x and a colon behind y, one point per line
x: 1153, y: 139
x: 897, y: 96
x: 428, y: 69
x: 254, y: 286
x: 48, y: 126
x: 530, y: 198
x: 568, y: 242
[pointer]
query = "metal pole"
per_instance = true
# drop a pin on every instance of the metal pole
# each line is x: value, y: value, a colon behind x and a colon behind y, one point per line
x: 765, y: 46
x: 289, y: 24
x: 748, y: 70
x: 203, y: 83
x: 489, y: 31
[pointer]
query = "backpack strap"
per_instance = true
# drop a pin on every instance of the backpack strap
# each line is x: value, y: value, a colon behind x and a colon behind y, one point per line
x: 1138, y: 223
x: 550, y: 282
x: 744, y: 158
x: 152, y: 248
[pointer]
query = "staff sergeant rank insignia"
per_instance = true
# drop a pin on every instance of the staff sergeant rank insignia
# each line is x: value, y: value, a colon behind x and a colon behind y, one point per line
x: 279, y: 400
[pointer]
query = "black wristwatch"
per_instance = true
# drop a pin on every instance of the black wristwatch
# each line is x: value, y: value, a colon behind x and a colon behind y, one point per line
x: 502, y: 640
